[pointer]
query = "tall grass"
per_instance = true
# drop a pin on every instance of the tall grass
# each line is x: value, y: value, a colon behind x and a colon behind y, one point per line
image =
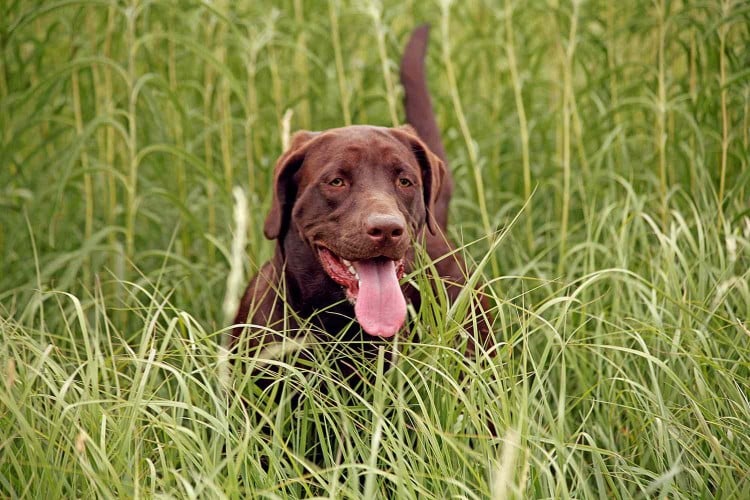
x: 600, y: 153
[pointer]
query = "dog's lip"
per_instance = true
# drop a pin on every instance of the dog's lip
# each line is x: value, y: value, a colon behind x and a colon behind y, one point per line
x: 341, y: 270
x: 338, y: 268
x: 350, y: 256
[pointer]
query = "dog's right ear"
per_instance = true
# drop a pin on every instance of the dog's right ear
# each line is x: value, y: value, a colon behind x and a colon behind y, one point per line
x: 284, y: 186
x: 433, y: 170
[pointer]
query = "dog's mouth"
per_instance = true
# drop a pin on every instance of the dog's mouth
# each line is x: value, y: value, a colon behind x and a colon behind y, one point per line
x: 372, y: 286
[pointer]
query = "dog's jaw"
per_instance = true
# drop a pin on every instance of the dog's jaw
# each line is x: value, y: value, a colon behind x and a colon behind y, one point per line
x: 371, y: 285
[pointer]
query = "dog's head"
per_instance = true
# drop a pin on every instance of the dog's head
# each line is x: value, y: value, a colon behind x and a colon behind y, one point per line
x: 358, y: 196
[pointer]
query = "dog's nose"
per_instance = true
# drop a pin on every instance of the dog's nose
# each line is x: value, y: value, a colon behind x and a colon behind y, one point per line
x: 385, y: 228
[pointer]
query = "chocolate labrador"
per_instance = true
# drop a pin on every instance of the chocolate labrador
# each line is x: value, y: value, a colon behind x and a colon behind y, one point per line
x: 348, y: 205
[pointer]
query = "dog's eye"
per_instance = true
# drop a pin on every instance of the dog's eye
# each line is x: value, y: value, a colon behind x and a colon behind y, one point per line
x: 404, y: 182
x: 337, y: 182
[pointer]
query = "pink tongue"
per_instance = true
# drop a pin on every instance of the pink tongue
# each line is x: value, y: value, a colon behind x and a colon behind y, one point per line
x: 380, y: 306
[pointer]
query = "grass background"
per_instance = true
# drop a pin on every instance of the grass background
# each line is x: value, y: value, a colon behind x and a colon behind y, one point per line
x: 600, y: 152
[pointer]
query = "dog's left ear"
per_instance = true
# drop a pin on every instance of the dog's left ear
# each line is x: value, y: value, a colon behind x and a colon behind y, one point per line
x: 284, y: 187
x: 432, y: 167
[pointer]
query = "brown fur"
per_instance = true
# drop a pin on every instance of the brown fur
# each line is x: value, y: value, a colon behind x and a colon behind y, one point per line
x: 308, y: 211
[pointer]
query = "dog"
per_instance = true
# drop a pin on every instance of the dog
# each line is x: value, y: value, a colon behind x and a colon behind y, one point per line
x: 348, y: 205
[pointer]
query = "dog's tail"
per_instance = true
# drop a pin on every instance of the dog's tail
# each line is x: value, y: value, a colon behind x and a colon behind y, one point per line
x: 419, y: 112
x: 417, y: 102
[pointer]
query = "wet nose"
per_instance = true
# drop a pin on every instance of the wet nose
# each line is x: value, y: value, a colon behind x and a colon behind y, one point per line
x: 385, y: 228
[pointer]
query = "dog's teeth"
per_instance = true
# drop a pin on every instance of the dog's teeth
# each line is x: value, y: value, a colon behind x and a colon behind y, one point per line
x: 346, y: 263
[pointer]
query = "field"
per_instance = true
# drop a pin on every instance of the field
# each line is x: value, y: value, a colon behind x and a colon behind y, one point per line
x: 601, y: 155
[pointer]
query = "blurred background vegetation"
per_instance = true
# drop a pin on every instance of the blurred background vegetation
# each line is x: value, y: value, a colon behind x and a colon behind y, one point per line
x: 125, y: 126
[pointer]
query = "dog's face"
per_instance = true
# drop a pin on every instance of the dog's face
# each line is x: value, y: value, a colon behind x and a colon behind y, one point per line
x: 358, y: 196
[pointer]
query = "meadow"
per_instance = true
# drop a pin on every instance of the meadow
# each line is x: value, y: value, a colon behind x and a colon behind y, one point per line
x: 600, y: 152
